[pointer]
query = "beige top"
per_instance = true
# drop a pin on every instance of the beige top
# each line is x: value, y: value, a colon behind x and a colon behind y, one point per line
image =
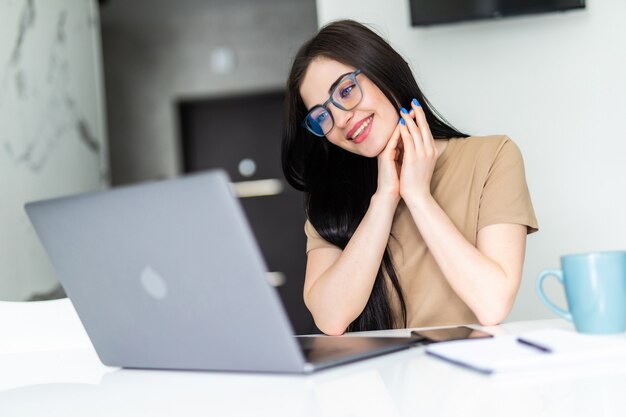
x: 477, y: 181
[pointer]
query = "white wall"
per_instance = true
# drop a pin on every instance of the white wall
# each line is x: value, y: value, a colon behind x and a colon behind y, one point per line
x: 555, y: 83
x: 52, y: 135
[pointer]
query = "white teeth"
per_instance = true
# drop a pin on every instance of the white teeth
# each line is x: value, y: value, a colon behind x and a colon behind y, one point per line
x: 361, y: 128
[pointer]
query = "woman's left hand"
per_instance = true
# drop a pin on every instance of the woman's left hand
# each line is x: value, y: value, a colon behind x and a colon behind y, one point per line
x: 419, y: 155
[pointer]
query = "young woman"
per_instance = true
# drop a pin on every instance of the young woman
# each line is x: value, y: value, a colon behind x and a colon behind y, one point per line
x: 411, y: 223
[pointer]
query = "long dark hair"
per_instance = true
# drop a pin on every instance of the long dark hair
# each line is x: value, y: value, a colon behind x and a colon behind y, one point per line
x: 338, y: 184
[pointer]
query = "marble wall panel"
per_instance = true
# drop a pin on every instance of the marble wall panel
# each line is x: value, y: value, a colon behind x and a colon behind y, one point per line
x: 52, y: 132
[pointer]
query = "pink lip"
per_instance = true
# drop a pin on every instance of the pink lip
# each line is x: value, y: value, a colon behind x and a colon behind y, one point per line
x: 363, y: 134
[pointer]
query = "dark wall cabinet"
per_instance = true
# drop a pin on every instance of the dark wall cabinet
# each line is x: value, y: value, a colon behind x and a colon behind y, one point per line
x: 241, y: 134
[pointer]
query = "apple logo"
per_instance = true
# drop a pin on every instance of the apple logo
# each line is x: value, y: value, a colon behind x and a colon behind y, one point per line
x: 153, y: 283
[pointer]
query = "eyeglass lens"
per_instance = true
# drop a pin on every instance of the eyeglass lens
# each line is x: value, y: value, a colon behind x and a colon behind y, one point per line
x: 346, y: 95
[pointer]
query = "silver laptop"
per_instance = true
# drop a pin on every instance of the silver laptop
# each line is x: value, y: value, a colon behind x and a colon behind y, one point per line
x: 168, y: 275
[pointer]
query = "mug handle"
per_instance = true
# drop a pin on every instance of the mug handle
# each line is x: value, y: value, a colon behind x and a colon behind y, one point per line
x: 539, y: 287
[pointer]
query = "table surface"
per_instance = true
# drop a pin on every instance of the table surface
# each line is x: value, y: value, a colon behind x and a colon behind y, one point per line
x: 48, y: 369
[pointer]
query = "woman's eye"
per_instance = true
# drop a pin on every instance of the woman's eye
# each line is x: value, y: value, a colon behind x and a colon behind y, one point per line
x: 346, y: 91
x: 322, y: 116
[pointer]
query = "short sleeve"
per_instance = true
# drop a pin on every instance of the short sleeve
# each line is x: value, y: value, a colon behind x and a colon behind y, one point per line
x: 314, y: 240
x: 505, y: 197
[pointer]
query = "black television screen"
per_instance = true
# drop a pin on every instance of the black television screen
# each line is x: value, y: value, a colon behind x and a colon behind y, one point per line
x: 432, y: 12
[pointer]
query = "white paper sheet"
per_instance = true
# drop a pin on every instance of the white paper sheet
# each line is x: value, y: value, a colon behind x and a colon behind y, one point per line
x: 506, y: 353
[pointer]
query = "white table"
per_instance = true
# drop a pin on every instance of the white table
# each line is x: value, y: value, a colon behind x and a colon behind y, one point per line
x: 60, y: 375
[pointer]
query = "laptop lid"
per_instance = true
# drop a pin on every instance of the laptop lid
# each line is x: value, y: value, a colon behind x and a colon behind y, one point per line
x: 168, y: 275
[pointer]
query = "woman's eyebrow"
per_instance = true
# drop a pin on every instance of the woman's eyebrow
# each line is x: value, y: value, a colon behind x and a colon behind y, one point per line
x: 332, y: 87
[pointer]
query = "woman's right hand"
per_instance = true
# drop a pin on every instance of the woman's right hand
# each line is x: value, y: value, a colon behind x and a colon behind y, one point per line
x: 389, y: 164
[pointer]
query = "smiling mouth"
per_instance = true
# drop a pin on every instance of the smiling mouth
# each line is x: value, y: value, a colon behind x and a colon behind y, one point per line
x: 361, y: 128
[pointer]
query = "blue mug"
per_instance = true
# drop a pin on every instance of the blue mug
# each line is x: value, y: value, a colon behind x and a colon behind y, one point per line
x: 595, y: 288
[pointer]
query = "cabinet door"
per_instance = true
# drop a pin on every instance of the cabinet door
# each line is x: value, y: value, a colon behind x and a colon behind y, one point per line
x: 242, y: 135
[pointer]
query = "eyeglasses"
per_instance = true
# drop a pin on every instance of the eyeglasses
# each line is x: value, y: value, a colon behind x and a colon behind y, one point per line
x: 346, y: 95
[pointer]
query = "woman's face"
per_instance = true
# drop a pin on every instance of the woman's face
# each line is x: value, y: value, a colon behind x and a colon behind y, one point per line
x: 363, y: 130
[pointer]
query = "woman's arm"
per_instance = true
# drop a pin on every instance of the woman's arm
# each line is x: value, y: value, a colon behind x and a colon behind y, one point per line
x: 486, y: 276
x: 338, y: 283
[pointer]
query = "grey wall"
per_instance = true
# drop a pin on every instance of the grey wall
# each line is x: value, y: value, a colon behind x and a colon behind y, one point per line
x: 158, y: 52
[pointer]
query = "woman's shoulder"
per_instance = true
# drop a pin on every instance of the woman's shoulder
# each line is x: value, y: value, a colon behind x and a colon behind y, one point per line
x: 485, y: 146
x: 490, y: 141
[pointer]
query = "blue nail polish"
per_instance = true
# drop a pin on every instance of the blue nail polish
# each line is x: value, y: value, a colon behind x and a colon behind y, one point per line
x: 417, y: 103
x: 403, y: 110
x: 403, y: 122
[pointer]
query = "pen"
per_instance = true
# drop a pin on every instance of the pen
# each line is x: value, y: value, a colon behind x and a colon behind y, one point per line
x: 534, y: 345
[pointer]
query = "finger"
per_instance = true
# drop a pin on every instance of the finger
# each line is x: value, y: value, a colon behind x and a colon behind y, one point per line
x: 392, y: 143
x: 422, y: 123
x: 400, y: 144
x: 408, y: 144
x: 389, y: 152
x: 414, y: 131
x: 400, y: 147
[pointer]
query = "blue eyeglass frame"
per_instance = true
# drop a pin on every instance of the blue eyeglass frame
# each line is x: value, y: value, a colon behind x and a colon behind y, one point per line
x: 351, y: 76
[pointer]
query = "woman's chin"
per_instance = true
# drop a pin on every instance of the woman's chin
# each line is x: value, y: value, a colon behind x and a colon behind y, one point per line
x: 373, y: 151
